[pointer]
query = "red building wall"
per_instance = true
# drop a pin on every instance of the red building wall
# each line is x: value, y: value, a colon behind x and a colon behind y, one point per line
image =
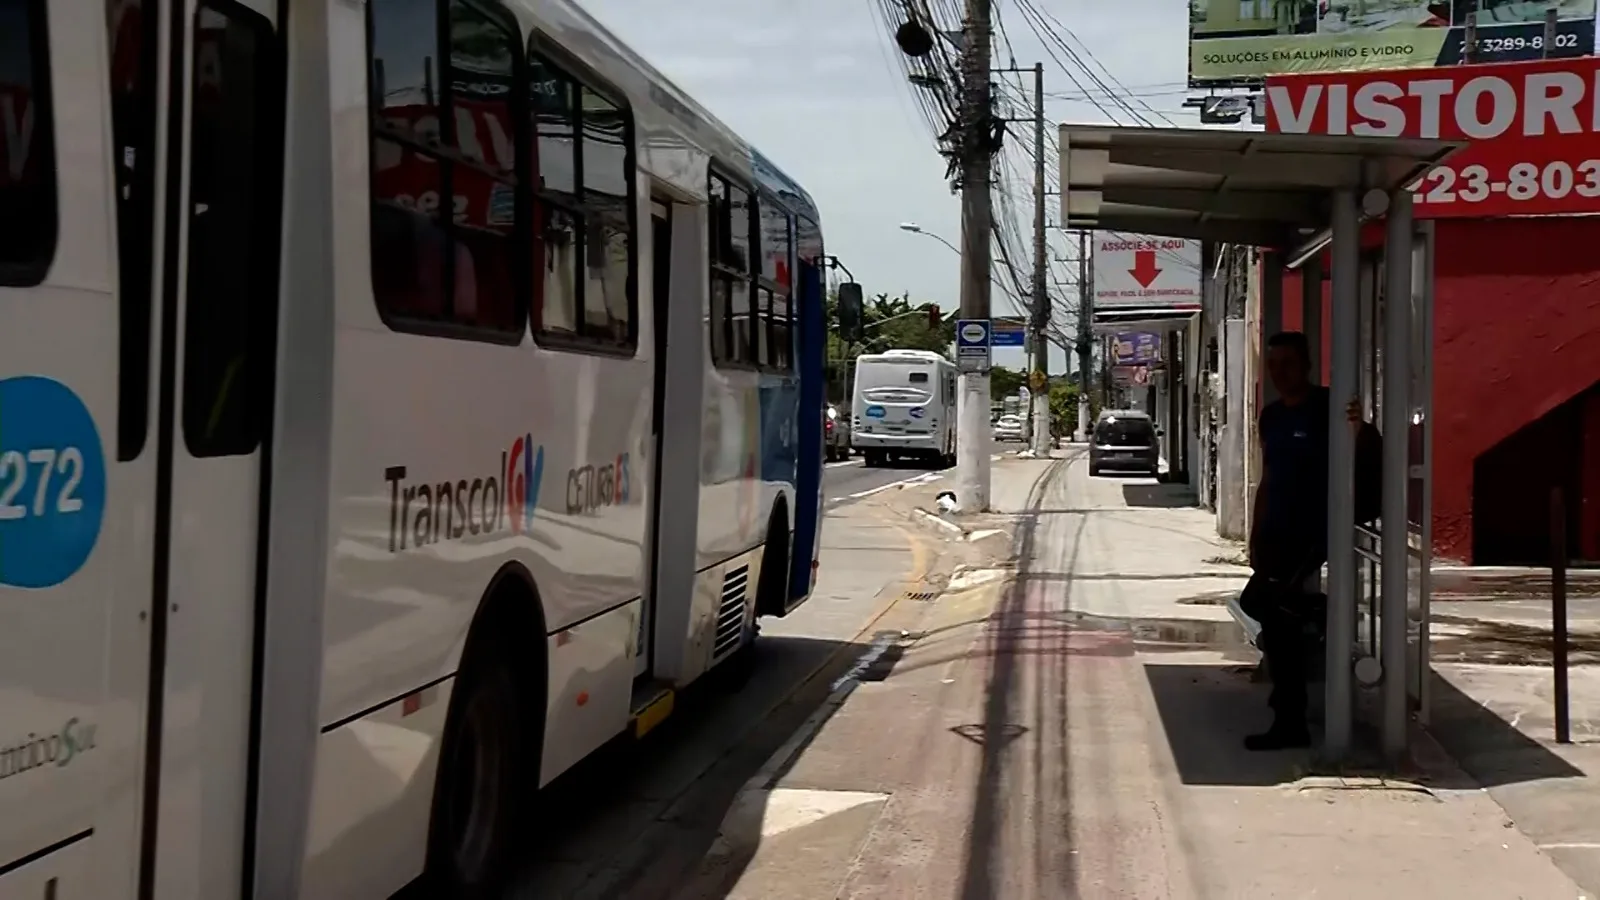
x: 1516, y: 335
x: 1516, y: 338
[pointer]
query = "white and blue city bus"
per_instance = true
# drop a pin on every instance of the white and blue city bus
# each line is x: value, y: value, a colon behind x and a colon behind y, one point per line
x: 399, y: 400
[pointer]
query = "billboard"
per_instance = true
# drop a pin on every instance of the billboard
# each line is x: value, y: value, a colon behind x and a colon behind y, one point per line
x: 1241, y: 41
x: 1146, y: 272
x: 1135, y: 348
x: 1533, y: 130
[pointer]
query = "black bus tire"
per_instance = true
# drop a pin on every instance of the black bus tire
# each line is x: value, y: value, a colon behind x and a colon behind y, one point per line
x: 486, y: 780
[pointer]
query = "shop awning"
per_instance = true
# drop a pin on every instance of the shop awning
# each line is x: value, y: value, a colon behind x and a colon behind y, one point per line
x: 1239, y: 187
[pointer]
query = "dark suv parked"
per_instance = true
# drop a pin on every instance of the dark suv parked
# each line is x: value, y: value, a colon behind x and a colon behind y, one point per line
x: 1125, y: 442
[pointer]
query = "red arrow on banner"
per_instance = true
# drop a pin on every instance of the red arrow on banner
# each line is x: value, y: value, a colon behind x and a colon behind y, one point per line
x: 1144, y: 268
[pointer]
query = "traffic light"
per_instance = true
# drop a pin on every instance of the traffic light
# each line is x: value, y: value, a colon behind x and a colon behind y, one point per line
x: 850, y: 312
x: 933, y: 318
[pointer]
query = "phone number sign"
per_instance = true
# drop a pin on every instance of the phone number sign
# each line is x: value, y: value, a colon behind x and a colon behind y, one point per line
x: 1532, y: 130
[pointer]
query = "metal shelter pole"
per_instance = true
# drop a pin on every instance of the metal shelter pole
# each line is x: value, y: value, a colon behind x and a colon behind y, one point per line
x: 1396, y: 425
x: 1344, y: 386
x: 1422, y: 273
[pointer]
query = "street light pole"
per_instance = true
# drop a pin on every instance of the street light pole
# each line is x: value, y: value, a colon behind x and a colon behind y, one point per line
x: 1040, y: 382
x: 1016, y: 301
x: 914, y: 228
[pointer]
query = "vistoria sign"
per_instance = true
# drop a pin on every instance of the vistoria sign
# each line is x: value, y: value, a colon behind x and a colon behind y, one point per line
x: 1533, y: 130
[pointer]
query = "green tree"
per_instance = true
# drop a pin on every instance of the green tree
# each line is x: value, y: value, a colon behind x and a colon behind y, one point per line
x: 889, y: 323
x: 1004, y: 382
x: 896, y: 323
x: 1064, y: 406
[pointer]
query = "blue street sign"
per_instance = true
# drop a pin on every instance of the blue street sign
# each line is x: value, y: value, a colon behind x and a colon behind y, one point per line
x: 972, y: 345
x: 1008, y: 334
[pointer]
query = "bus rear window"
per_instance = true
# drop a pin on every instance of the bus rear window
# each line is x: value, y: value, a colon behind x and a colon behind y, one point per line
x: 27, y: 158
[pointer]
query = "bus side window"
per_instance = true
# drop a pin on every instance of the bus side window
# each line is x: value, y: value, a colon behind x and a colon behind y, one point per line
x: 808, y: 262
x: 133, y: 29
x: 775, y: 293
x: 587, y: 278
x: 733, y: 321
x: 231, y: 283
x: 27, y: 153
x: 719, y: 321
x: 445, y: 169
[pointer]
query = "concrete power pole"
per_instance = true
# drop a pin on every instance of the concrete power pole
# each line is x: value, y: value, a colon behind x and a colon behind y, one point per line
x: 1040, y: 383
x: 1085, y: 314
x: 973, y: 437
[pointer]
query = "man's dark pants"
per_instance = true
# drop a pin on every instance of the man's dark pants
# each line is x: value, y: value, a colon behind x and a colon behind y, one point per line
x: 1276, y: 600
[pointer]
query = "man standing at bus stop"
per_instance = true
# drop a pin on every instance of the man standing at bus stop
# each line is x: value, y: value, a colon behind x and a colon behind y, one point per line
x: 1289, y: 528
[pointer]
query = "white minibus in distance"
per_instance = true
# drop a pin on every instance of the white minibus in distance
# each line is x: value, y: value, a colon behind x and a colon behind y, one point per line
x: 904, y: 407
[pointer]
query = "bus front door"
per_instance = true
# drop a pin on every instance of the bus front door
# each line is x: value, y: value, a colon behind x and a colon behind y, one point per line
x: 214, y: 349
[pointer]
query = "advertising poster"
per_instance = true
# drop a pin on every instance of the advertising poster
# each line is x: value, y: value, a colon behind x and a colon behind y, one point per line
x: 1234, y: 41
x: 1532, y: 130
x: 1136, y: 348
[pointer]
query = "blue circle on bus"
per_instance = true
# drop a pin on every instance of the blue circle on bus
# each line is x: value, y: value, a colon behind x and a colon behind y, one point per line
x: 876, y: 412
x: 52, y: 482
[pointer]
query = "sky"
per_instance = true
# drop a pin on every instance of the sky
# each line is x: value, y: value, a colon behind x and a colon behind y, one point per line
x: 817, y: 87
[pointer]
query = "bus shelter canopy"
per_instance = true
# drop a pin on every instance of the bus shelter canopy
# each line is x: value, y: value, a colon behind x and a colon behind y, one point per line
x: 1154, y: 320
x: 1236, y: 187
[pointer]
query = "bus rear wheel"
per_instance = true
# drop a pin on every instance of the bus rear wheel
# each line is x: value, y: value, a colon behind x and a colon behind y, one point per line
x: 482, y: 794
x: 772, y: 587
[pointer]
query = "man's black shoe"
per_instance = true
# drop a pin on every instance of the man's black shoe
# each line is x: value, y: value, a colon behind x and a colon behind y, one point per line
x: 1276, y: 738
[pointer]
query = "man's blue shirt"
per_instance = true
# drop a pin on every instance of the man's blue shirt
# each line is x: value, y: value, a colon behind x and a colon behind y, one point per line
x: 1294, y: 447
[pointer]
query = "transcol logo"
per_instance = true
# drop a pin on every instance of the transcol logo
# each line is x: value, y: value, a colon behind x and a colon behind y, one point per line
x: 424, y: 514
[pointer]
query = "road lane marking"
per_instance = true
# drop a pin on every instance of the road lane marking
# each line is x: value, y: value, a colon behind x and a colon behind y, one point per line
x: 924, y: 478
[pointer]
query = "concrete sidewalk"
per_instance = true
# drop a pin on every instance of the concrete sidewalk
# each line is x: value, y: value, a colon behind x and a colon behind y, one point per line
x: 1049, y: 732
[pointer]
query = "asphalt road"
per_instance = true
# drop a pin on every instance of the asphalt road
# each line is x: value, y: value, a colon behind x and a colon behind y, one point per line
x: 850, y: 480
x: 635, y: 820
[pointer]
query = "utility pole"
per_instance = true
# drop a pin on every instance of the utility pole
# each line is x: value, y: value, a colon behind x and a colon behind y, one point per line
x: 973, y: 436
x: 1105, y: 372
x: 976, y: 142
x: 1040, y: 381
x: 1085, y: 314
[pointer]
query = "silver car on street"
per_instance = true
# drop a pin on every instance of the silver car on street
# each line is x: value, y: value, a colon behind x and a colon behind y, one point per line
x: 1008, y: 428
